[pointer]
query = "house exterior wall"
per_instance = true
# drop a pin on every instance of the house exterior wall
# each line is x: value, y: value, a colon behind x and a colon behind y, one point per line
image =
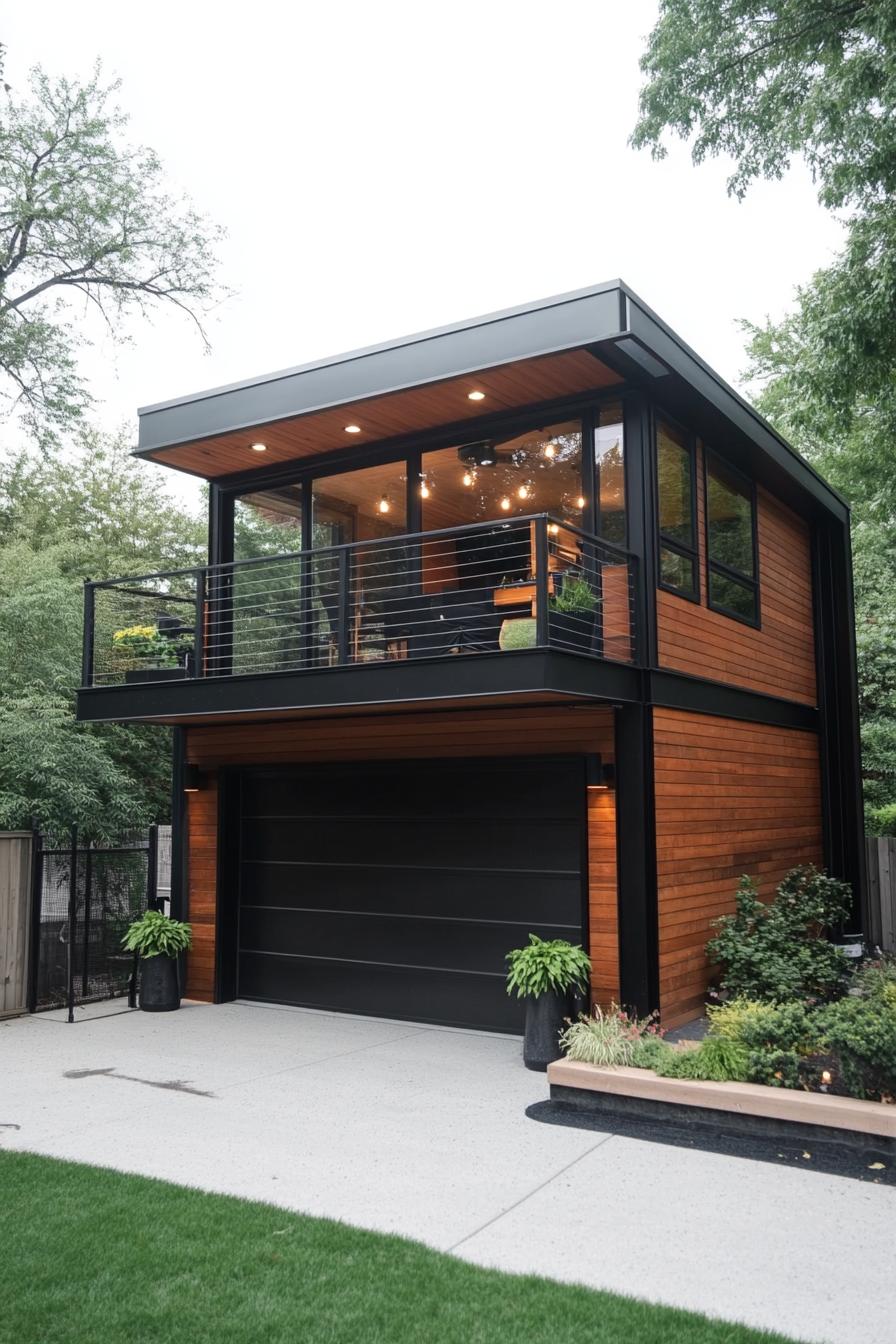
x: 731, y: 798
x: 524, y: 731
x: 779, y: 658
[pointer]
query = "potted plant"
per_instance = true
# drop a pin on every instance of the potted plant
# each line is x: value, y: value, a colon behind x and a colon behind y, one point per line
x: 517, y: 633
x: 547, y: 975
x: 148, y: 654
x: 158, y: 941
x: 572, y: 610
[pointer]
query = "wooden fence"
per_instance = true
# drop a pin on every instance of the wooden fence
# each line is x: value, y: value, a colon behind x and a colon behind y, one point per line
x: 15, y: 904
x: 880, y: 856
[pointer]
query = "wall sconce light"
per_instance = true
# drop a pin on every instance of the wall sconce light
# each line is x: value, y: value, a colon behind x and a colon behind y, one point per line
x: 193, y: 780
x: 598, y: 775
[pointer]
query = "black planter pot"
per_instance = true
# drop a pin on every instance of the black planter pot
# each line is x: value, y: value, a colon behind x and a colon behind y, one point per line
x: 573, y: 631
x: 159, y: 990
x: 544, y: 1022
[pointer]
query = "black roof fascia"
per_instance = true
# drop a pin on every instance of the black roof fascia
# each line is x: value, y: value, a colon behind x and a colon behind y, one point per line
x: 565, y: 322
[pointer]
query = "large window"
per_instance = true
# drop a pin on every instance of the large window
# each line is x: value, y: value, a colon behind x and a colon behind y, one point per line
x: 731, y: 542
x: 676, y: 511
x: 609, y: 473
x: 267, y: 522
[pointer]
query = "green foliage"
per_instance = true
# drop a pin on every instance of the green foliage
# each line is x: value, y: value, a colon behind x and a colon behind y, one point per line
x: 861, y: 1032
x: 779, y: 951
x: 95, y: 512
x: 774, y: 1038
x: 574, y: 597
x: 155, y: 935
x: 714, y: 1060
x: 606, y: 1038
x: 84, y: 216
x: 543, y: 967
x: 650, y: 1052
x: 728, y: 1019
x: 761, y: 85
x: 518, y: 633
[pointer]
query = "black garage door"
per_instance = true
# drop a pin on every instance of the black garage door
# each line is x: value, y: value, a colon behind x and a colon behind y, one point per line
x: 396, y: 889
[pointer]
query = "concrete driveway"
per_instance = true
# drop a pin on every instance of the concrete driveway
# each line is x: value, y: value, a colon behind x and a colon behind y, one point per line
x: 421, y: 1131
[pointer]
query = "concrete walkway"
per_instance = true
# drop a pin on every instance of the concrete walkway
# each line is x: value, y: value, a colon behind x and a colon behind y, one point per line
x: 422, y: 1131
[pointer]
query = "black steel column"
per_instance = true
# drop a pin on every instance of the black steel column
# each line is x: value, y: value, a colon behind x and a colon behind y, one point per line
x: 72, y: 922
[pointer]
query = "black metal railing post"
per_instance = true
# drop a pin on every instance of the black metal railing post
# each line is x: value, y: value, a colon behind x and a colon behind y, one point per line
x: 343, y: 607
x: 152, y: 869
x: 87, y: 638
x: 72, y: 922
x: 199, y: 626
x: 85, y: 946
x: 542, y: 615
x: 37, y: 892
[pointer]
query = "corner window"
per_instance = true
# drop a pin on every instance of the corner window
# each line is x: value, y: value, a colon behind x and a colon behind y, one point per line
x: 731, y: 542
x: 609, y: 473
x: 676, y: 510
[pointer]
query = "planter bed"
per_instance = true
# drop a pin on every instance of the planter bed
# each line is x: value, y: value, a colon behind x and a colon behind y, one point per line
x: 735, y: 1109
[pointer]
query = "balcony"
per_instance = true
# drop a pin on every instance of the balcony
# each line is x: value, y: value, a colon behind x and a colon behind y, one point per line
x: 533, y: 605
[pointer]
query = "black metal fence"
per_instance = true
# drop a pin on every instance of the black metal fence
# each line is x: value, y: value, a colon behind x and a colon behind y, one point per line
x: 85, y: 895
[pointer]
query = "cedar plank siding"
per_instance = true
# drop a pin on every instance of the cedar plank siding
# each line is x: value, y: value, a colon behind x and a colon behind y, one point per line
x: 731, y: 798
x: 528, y: 731
x: 778, y: 659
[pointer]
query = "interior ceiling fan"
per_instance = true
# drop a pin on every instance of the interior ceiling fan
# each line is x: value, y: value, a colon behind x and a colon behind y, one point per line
x: 484, y: 453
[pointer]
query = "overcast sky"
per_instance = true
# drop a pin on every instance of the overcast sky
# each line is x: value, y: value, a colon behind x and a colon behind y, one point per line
x: 387, y: 167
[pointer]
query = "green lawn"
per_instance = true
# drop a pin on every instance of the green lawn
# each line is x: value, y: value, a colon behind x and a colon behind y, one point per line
x: 93, y: 1257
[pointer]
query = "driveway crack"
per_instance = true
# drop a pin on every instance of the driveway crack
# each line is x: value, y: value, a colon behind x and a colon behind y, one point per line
x: 523, y: 1198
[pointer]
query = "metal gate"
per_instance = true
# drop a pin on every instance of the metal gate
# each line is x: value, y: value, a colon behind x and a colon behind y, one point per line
x: 85, y: 895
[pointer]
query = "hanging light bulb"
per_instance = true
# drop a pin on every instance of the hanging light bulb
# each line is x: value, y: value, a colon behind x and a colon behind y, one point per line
x: 580, y: 502
x: 505, y: 503
x: 523, y: 492
x: 424, y: 490
x: 384, y: 506
x: 553, y: 528
x: 550, y: 450
x: 468, y: 478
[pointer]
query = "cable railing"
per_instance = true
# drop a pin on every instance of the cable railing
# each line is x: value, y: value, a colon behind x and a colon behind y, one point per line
x: 532, y: 582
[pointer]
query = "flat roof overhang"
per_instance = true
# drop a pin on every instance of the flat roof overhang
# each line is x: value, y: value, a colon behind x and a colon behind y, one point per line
x: 555, y: 348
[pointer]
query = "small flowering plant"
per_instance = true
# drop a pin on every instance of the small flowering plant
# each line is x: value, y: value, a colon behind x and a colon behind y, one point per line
x: 146, y: 646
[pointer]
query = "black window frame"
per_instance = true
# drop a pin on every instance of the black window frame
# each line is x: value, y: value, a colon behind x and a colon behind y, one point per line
x: 750, y: 581
x: 663, y: 541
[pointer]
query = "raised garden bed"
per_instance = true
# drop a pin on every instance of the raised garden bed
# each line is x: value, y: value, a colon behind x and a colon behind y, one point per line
x: 747, y: 1109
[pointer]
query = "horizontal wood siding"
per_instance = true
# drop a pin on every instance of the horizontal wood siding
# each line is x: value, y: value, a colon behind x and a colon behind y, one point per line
x: 527, y: 731
x: 731, y: 798
x: 778, y: 659
x: 202, y: 842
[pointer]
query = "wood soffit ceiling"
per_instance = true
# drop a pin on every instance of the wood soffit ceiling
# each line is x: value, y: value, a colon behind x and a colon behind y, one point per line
x: 524, y: 383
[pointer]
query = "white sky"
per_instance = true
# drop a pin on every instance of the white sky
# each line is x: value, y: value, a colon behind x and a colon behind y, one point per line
x: 383, y: 168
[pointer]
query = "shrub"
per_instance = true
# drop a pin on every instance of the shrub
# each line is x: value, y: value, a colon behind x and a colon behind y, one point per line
x: 649, y: 1052
x: 155, y: 935
x: 861, y: 1034
x: 545, y: 967
x: 779, y: 951
x: 877, y: 980
x: 715, y: 1060
x: 608, y: 1038
x: 775, y: 1038
x: 574, y: 596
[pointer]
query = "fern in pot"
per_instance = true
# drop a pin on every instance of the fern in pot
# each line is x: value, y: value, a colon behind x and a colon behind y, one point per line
x: 158, y: 941
x: 549, y: 975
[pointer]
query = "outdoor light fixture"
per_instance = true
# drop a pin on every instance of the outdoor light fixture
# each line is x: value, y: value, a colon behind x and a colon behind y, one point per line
x: 384, y: 506
x: 192, y: 779
x: 259, y: 447
x: 598, y: 775
x: 353, y: 429
x: 476, y: 396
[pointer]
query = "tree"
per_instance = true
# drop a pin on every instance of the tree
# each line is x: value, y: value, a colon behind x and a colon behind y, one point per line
x: 83, y: 216
x: 99, y: 513
x: 816, y: 79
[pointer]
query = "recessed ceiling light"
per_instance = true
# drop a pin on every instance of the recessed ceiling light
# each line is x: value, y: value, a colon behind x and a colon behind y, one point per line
x: 476, y: 396
x: 259, y: 447
x: 353, y: 429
